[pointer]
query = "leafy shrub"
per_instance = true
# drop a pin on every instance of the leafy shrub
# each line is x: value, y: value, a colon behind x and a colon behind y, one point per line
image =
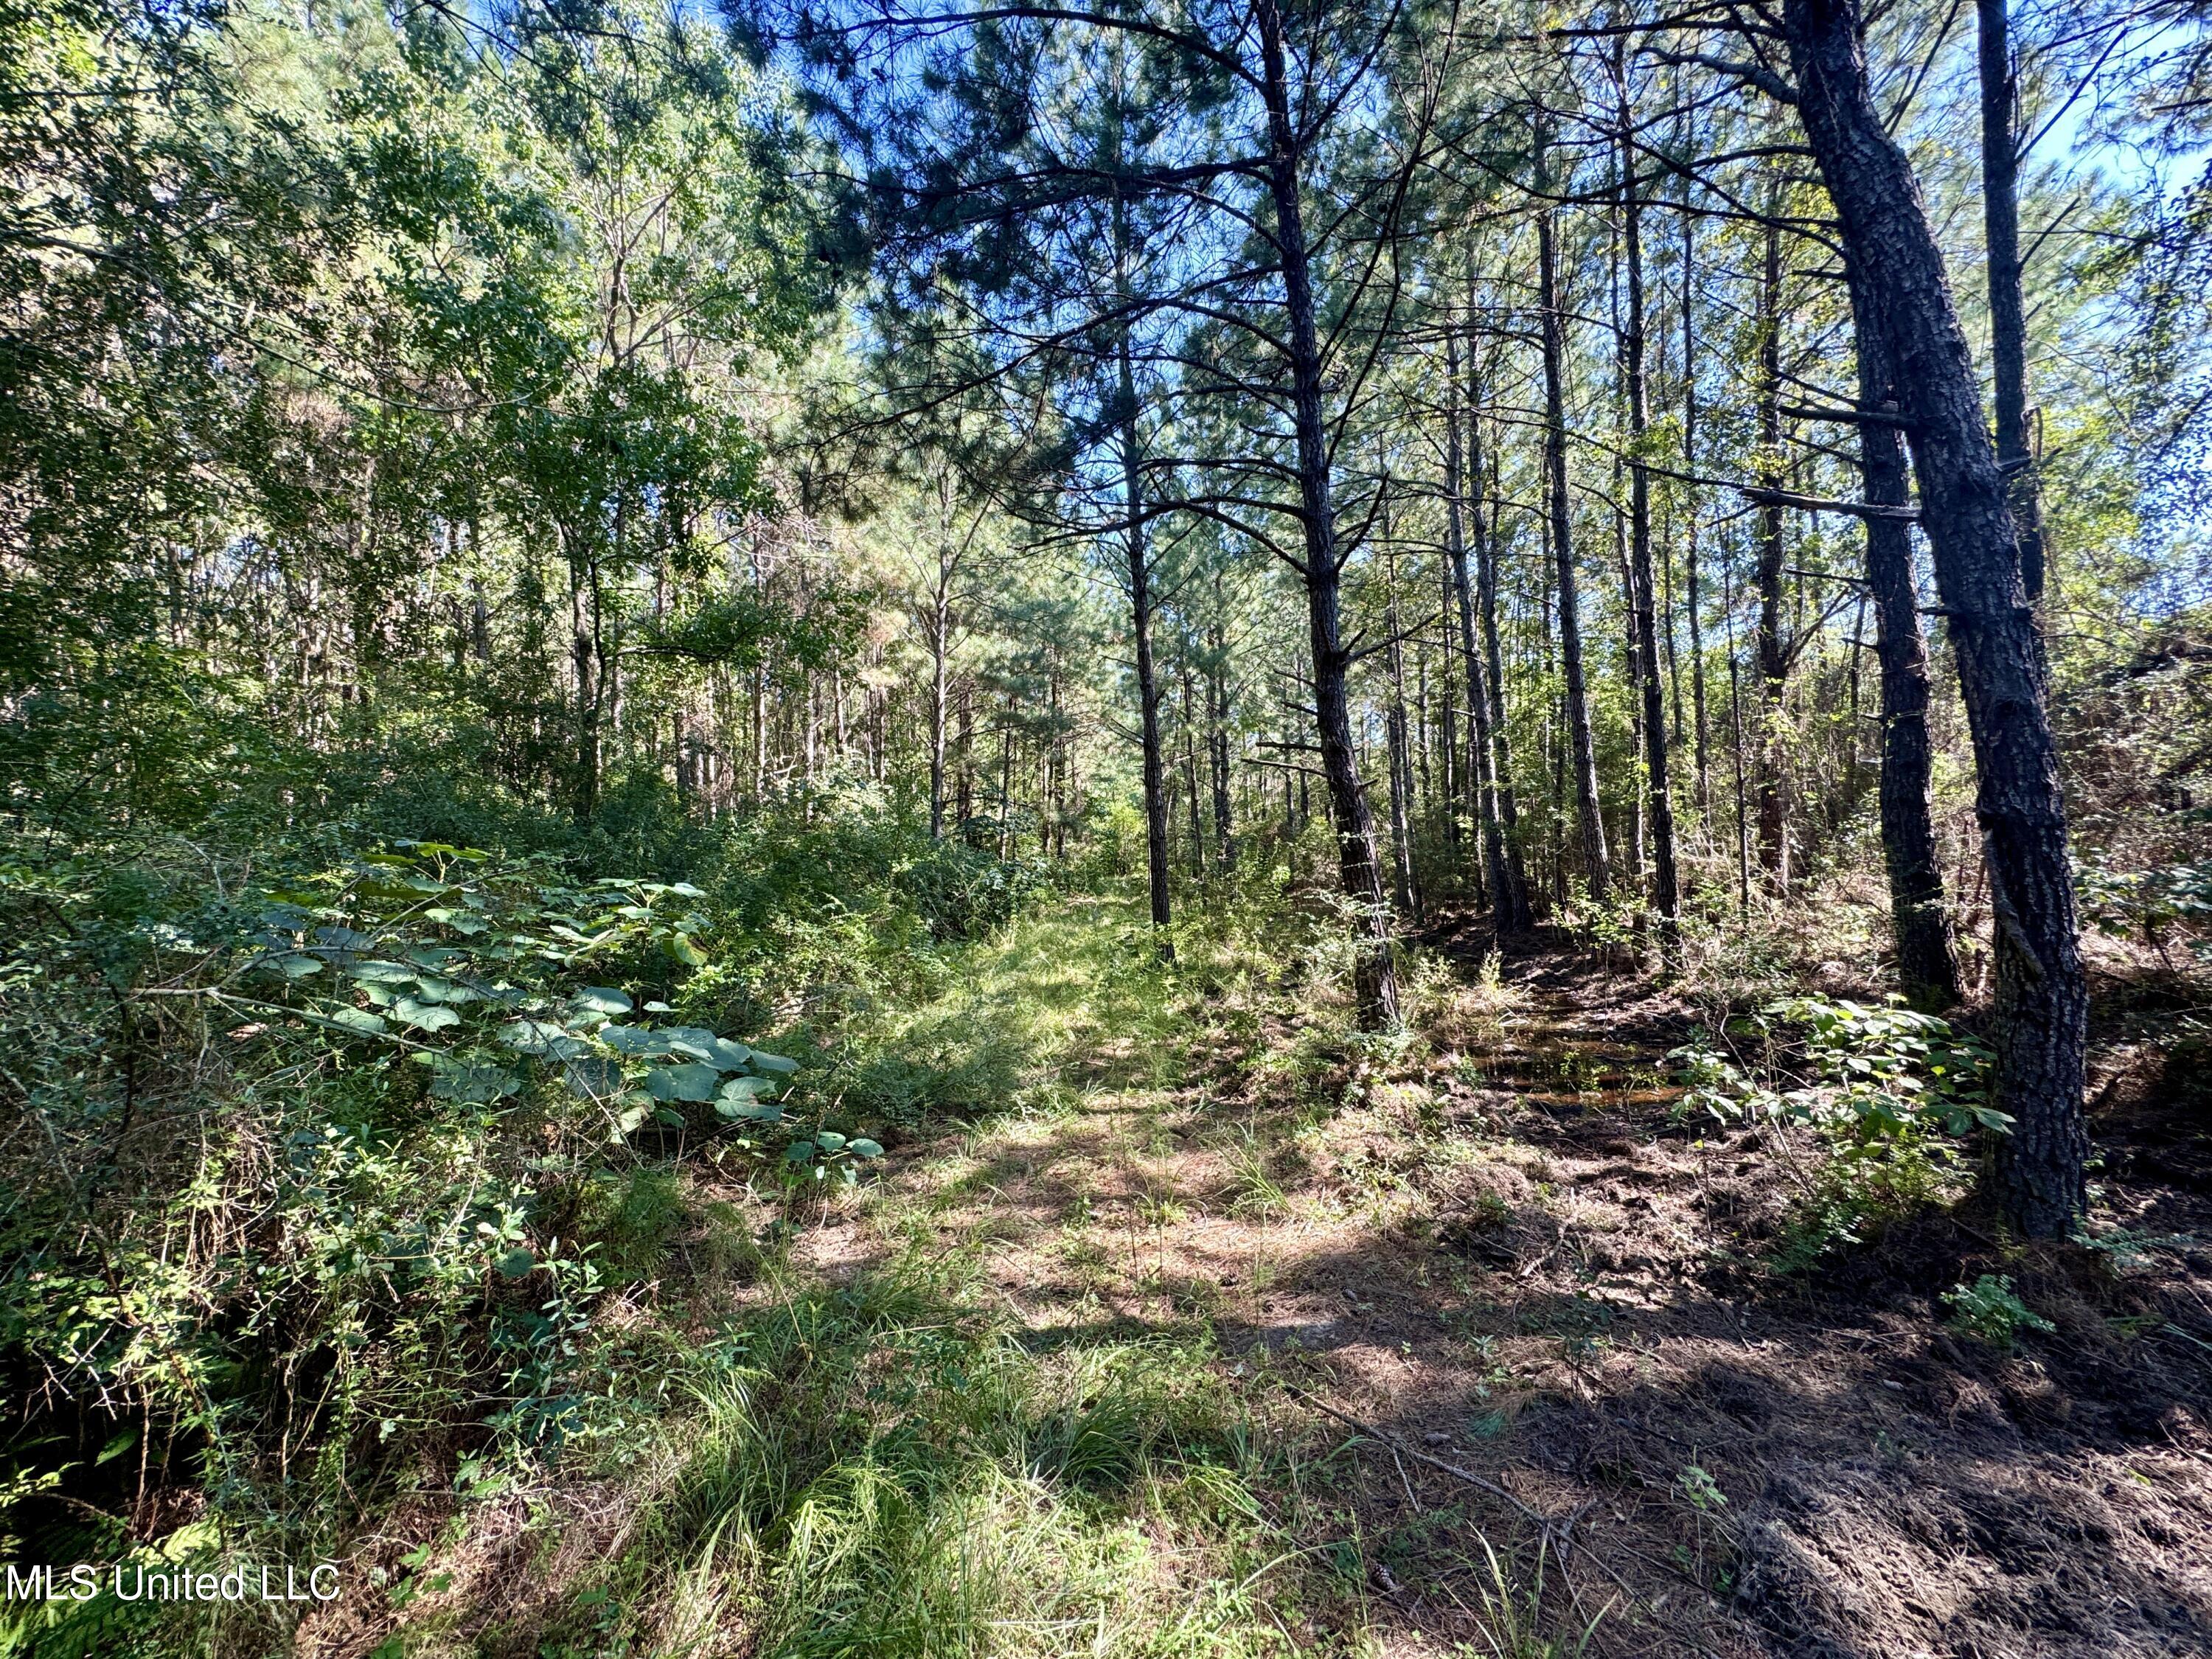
x: 962, y: 891
x: 310, y: 1176
x: 1875, y: 1072
x: 1990, y: 1310
x: 1888, y: 1090
x: 2151, y: 902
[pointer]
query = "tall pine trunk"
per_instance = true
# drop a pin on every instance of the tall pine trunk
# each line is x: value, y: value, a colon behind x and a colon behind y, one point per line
x: 1375, y: 973
x: 2042, y: 994
x: 1666, y: 889
x: 1773, y: 656
x: 1692, y: 595
x: 1509, y: 895
x: 2008, y: 310
x: 1515, y: 912
x: 1154, y: 764
x: 1926, y: 969
x: 1595, y: 861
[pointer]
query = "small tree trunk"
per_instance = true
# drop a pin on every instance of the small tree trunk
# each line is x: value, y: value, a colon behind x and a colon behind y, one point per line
x: 939, y: 713
x: 1773, y: 655
x: 1925, y: 966
x: 1217, y: 700
x: 2008, y: 310
x: 1666, y: 889
x: 1595, y: 869
x: 1190, y: 760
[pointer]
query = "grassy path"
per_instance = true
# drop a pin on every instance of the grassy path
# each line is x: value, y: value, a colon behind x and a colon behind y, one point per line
x: 1176, y: 1350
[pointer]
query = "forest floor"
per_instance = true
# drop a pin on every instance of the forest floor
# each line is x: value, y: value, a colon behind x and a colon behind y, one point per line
x: 1513, y: 1342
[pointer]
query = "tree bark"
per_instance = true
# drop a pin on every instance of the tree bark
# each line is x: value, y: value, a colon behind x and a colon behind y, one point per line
x: 1405, y: 880
x: 1509, y: 897
x: 1666, y: 889
x: 1154, y: 765
x: 1926, y: 969
x: 940, y: 714
x: 2008, y: 310
x: 1514, y: 912
x: 1190, y: 761
x: 1375, y: 975
x: 1773, y: 655
x: 1692, y: 596
x: 1216, y: 703
x: 2042, y: 997
x: 1592, y: 825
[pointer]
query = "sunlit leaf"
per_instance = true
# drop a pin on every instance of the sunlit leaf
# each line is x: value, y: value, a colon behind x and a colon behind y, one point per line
x: 424, y: 1015
x: 601, y: 1000
x: 354, y: 1019
x: 690, y: 1081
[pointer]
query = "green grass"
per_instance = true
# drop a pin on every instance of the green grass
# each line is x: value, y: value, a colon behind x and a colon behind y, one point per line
x: 891, y: 1458
x: 890, y: 1469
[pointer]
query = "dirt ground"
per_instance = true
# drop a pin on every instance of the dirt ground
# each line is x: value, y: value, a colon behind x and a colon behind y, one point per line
x: 1531, y: 1297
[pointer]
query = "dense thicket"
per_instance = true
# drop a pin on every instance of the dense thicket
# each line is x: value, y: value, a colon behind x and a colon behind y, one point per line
x: 515, y: 518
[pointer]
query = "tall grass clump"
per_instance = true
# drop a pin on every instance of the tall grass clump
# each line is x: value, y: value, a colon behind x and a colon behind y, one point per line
x: 887, y: 1469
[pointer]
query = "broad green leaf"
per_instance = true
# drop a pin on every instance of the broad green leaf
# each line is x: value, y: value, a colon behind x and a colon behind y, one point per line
x: 634, y: 1040
x: 541, y: 1037
x: 477, y: 1085
x: 517, y: 1263
x: 601, y: 1000
x: 749, y: 1088
x: 699, y: 1044
x: 829, y: 1141
x: 775, y: 1063
x: 863, y: 1147
x: 381, y: 973
x: 293, y: 964
x: 424, y: 1015
x: 690, y: 1081
x: 354, y: 1019
x: 758, y: 1111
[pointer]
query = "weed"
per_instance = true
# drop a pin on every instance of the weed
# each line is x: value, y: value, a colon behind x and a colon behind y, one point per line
x: 2131, y: 1250
x: 1512, y: 1618
x: 1990, y: 1310
x: 1255, y: 1190
x: 1703, y: 1492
